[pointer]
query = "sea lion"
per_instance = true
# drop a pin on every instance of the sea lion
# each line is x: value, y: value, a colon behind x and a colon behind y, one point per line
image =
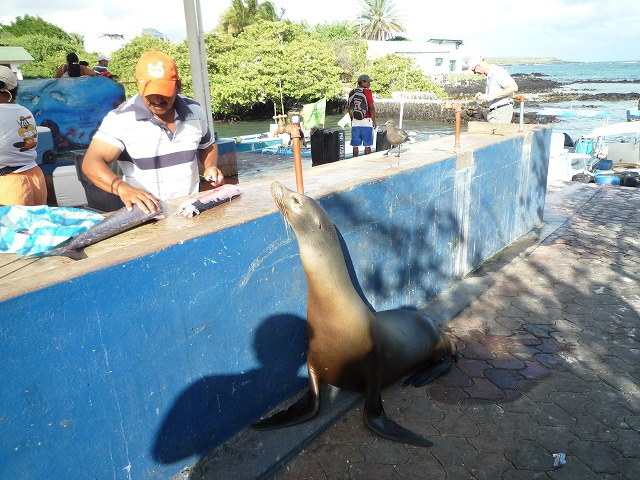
x: 350, y: 346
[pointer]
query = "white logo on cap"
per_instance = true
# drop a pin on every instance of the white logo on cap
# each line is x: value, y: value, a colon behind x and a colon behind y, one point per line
x: 157, y: 70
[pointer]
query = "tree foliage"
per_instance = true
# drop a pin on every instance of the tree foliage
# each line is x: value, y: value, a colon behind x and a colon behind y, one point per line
x: 388, y: 73
x: 29, y: 25
x: 379, y: 20
x: 123, y: 61
x: 48, y: 53
x: 243, y: 13
x: 350, y: 50
x: 47, y: 43
x: 269, y: 62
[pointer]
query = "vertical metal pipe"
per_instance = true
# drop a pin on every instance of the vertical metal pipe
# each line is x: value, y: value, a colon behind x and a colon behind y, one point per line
x: 294, y: 133
x: 458, y: 110
x: 521, y: 99
x: 198, y: 57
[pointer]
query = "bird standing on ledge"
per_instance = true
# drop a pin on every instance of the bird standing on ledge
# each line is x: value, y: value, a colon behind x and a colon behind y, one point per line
x: 396, y: 136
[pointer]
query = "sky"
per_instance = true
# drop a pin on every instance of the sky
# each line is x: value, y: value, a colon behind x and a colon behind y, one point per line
x: 572, y: 30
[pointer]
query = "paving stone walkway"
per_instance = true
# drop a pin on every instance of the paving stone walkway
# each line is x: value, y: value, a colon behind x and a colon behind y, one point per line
x: 549, y: 363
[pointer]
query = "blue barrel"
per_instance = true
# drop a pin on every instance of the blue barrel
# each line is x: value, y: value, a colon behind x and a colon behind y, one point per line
x: 607, y: 180
x: 605, y: 164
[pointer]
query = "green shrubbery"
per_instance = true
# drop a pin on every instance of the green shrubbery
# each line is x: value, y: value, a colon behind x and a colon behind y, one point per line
x: 269, y: 62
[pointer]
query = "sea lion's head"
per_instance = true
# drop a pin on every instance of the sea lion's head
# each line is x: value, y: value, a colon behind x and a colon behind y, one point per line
x: 304, y: 215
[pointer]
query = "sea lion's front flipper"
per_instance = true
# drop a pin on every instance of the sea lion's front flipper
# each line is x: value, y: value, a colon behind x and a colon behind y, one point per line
x: 387, y: 428
x: 304, y: 409
x: 429, y: 373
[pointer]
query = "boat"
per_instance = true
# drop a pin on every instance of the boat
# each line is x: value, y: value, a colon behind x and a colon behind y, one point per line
x: 256, y: 142
x: 287, y: 151
x: 633, y: 115
x: 609, y: 150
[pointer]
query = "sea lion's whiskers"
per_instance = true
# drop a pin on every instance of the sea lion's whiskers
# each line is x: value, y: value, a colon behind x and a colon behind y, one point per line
x: 277, y: 197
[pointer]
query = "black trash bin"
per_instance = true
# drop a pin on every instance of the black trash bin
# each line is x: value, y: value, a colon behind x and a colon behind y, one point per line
x: 381, y: 141
x: 327, y: 146
x: 97, y: 198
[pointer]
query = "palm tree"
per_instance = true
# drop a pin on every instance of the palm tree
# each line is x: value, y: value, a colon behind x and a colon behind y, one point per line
x: 379, y: 20
x: 245, y: 12
x: 77, y: 39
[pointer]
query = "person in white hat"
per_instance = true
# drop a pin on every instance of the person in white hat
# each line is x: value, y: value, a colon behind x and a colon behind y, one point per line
x: 21, y: 179
x: 103, y: 64
x: 498, y: 92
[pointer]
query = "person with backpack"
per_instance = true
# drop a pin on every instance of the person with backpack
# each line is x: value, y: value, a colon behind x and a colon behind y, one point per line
x: 363, y: 115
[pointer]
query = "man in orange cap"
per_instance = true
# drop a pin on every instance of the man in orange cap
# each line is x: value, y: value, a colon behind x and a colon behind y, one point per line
x: 158, y: 136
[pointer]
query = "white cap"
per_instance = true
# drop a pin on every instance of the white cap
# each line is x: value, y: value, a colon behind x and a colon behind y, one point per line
x: 474, y: 61
x: 102, y: 56
x: 8, y: 77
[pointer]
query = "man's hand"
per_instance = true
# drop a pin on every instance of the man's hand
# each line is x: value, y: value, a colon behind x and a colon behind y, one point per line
x: 135, y: 196
x: 213, y: 175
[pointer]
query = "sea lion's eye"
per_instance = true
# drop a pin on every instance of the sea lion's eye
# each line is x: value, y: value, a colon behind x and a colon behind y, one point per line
x: 296, y: 200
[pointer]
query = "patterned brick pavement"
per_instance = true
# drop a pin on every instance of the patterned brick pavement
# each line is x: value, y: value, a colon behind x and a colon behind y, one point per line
x: 549, y: 363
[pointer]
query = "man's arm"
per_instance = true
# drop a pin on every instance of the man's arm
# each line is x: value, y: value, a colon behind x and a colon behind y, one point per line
x: 95, y: 165
x: 372, y: 112
x: 209, y: 160
x: 372, y: 108
x: 506, y: 91
x: 88, y: 71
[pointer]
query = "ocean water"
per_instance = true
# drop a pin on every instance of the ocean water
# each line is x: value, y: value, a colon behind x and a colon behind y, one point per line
x: 590, y: 78
x: 578, y: 77
x: 583, y: 71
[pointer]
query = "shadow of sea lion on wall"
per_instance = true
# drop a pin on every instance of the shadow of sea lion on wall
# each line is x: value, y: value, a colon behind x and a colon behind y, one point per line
x: 215, y: 407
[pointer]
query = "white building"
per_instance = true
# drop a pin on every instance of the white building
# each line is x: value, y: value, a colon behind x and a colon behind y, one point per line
x: 436, y: 57
x: 14, y: 57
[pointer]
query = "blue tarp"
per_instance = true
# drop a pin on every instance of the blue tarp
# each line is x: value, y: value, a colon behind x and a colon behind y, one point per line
x: 71, y: 107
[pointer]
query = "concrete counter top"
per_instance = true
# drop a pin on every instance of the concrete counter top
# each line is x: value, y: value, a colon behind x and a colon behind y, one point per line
x: 19, y: 275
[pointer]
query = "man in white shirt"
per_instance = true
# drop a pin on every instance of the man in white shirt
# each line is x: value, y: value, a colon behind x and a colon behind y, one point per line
x: 158, y: 136
x: 498, y: 91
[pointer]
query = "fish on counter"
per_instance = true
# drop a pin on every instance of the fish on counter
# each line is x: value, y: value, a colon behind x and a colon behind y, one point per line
x: 208, y: 199
x: 115, y: 223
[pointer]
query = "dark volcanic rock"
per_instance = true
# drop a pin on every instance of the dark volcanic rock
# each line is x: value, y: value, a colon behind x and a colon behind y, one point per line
x: 527, y: 83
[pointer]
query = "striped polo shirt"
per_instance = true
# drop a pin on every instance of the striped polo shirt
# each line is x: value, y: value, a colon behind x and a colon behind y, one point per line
x: 163, y: 163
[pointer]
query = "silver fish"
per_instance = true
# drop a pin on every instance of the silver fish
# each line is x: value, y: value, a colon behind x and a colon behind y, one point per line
x: 207, y: 200
x: 112, y: 225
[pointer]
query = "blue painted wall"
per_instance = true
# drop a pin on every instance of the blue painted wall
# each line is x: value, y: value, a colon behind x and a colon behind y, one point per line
x: 136, y: 370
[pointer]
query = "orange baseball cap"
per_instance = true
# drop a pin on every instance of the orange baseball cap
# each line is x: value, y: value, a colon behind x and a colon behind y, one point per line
x: 156, y: 74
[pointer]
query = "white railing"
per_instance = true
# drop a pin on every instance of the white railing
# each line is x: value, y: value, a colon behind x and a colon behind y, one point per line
x: 413, y: 96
